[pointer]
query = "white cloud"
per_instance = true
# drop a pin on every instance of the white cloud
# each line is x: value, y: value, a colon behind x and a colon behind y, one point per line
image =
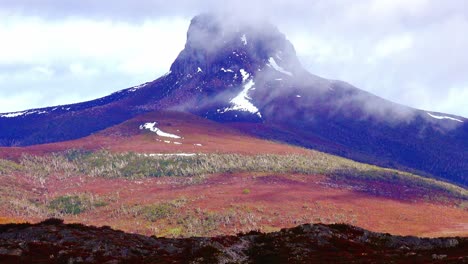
x: 34, y: 40
x: 393, y: 45
x: 455, y: 99
x: 89, y: 58
x: 391, y: 8
x: 77, y: 69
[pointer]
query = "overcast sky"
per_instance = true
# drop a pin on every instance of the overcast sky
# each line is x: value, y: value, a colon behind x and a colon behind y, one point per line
x: 413, y: 52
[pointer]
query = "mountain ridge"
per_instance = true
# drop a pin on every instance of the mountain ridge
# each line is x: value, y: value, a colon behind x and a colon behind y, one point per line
x: 250, y: 77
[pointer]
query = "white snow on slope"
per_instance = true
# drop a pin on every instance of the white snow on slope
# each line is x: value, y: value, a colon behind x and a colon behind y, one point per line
x: 242, y: 101
x: 152, y: 127
x: 244, y: 39
x: 272, y: 63
x: 169, y: 154
x: 134, y: 88
x: 199, y: 69
x: 10, y: 115
x: 23, y: 113
x: 245, y: 75
x: 228, y: 70
x: 444, y: 117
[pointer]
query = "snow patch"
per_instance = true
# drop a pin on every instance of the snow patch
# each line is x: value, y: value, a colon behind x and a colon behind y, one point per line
x: 272, y: 63
x: 169, y: 154
x: 199, y: 69
x: 16, y: 114
x: 228, y: 70
x: 198, y: 145
x: 244, y: 39
x: 152, y: 127
x: 444, y: 117
x: 298, y: 96
x: 23, y: 113
x: 245, y: 75
x: 242, y: 101
x: 177, y: 143
x: 135, y: 88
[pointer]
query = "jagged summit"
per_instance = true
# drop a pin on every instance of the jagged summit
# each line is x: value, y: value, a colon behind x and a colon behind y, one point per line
x: 231, y: 68
x: 214, y: 43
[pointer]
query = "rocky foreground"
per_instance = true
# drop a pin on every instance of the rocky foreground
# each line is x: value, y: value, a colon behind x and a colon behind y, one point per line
x: 52, y: 241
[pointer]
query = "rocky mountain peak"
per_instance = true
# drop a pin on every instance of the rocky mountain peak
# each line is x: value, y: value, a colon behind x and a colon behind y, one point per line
x: 215, y: 42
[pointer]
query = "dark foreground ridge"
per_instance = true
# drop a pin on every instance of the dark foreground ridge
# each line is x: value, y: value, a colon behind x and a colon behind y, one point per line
x: 52, y: 241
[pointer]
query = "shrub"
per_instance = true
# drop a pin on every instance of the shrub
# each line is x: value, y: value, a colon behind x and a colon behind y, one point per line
x: 75, y: 204
x: 7, y: 167
x: 68, y: 205
x: 157, y: 211
x: 175, y: 232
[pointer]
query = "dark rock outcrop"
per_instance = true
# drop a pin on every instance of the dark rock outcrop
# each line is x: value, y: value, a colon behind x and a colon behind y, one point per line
x: 54, y: 242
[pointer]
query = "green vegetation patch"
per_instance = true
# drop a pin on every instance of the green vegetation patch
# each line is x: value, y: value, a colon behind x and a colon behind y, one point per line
x: 74, y: 204
x: 8, y: 167
x: 155, y: 212
x: 68, y: 204
x: 134, y: 165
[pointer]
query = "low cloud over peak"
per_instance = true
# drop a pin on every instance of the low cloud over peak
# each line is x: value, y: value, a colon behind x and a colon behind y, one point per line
x: 56, y: 52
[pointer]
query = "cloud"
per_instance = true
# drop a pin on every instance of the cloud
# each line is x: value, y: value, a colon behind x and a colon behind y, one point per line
x: 80, y: 59
x: 411, y: 52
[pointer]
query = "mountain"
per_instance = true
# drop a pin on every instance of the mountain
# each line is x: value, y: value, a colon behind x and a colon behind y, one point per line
x: 247, y: 76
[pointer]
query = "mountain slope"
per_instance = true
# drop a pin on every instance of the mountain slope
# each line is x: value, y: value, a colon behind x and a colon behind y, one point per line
x: 185, y: 133
x: 249, y: 76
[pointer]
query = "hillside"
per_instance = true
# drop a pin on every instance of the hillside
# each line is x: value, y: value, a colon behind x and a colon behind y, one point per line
x: 185, y: 194
x: 197, y: 135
